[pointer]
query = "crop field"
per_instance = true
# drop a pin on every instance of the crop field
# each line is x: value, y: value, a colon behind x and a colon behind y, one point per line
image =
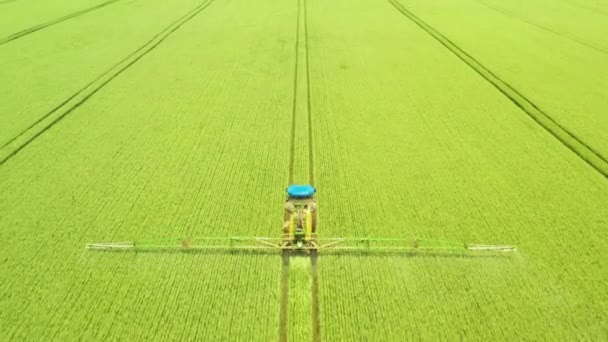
x: 481, y: 121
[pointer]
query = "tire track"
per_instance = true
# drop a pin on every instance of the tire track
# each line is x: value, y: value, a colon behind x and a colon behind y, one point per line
x: 589, y: 8
x: 46, y: 122
x: 301, y: 47
x: 283, y: 315
x: 300, y: 167
x: 316, y: 322
x: 39, y: 27
x: 514, y: 16
x: 311, y: 167
x: 6, y: 2
x: 587, y: 153
x: 107, y: 72
x: 284, y: 309
x: 292, y: 148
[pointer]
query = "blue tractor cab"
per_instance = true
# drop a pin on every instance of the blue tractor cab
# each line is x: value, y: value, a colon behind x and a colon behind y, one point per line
x: 301, y: 191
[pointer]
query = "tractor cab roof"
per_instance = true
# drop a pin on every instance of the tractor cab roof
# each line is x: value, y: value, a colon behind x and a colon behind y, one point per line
x: 301, y: 191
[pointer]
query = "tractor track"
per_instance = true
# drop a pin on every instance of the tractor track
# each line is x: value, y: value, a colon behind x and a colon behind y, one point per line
x: 311, y: 167
x: 286, y: 255
x: 90, y: 84
x: 6, y: 1
x: 589, y: 8
x: 283, y: 316
x: 585, y: 152
x: 96, y: 85
x: 301, y: 47
x: 514, y: 16
x: 316, y: 323
x: 292, y: 147
x: 42, y: 26
x: 301, y: 76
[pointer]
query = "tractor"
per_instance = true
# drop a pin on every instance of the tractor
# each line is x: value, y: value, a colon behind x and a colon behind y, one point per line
x: 300, y: 217
x: 299, y: 234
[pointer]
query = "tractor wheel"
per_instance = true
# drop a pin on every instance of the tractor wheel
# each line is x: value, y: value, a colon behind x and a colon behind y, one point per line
x: 288, y: 211
x: 286, y: 227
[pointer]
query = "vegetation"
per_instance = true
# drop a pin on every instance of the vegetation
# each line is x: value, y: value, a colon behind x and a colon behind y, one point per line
x: 150, y: 119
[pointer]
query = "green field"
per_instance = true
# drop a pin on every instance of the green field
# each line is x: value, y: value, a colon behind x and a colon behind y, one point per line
x: 468, y: 120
